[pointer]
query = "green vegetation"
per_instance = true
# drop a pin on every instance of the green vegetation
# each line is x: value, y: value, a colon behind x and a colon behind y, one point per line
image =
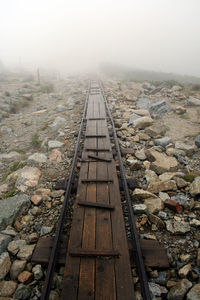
x: 10, y: 193
x: 44, y: 126
x: 17, y: 165
x: 35, y: 141
x: 5, y: 176
x: 47, y: 88
x: 20, y: 151
x: 15, y: 107
x: 185, y: 117
x: 190, y: 176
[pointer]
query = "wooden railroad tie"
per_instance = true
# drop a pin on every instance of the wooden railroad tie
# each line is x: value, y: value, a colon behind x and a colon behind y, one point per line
x: 94, y: 119
x: 99, y: 158
x: 95, y: 136
x: 154, y: 254
x: 95, y: 204
x: 93, y: 253
x: 96, y: 180
x: 97, y: 150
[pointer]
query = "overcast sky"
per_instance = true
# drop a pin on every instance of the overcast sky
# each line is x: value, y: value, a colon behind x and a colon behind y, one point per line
x: 160, y: 35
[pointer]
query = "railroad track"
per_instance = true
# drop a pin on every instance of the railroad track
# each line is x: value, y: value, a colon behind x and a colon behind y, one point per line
x: 97, y: 264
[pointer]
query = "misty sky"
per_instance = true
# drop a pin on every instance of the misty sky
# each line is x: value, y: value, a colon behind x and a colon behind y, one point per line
x: 161, y: 35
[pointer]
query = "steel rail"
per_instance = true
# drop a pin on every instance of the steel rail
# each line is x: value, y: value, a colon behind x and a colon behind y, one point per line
x: 54, y: 251
x: 134, y: 233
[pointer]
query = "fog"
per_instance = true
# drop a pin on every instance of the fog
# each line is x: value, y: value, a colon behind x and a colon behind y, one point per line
x: 160, y: 35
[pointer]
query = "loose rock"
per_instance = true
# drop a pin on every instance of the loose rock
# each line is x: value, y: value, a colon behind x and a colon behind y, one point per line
x: 11, y: 207
x: 5, y: 264
x: 143, y: 122
x: 4, y: 241
x: 17, y: 267
x: 178, y: 291
x: 194, y: 293
x: 7, y: 288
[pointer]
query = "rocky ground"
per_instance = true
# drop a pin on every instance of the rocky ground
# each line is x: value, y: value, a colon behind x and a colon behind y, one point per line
x: 38, y: 129
x: 160, y: 125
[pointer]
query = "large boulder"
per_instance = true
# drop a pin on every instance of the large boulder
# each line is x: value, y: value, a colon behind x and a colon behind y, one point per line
x: 143, y: 122
x: 143, y: 103
x: 156, y: 130
x: 193, y: 101
x: 154, y: 205
x: 161, y: 186
x: 57, y: 124
x: 179, y: 290
x: 11, y: 207
x: 37, y: 158
x: 163, y: 142
x: 141, y: 112
x: 194, y: 293
x: 133, y: 117
x: 177, y: 226
x: 188, y: 149
x: 161, y: 162
x: 159, y: 107
x: 27, y: 177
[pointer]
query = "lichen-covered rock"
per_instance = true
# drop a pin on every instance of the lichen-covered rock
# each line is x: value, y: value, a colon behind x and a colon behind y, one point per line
x: 4, y: 241
x: 22, y: 292
x: 163, y: 142
x: 7, y: 288
x: 17, y: 267
x: 37, y: 158
x: 14, y: 246
x: 161, y: 162
x: 177, y: 226
x: 185, y: 270
x: 154, y: 205
x: 159, y: 107
x: 11, y: 207
x: 25, y: 252
x: 27, y: 177
x: 194, y: 293
x: 161, y: 186
x: 54, y: 144
x: 178, y: 291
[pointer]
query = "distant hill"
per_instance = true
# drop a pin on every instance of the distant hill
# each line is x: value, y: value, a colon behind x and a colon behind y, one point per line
x: 125, y: 73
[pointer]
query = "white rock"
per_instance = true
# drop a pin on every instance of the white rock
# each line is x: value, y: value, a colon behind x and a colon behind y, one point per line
x: 143, y: 122
x: 57, y: 124
x: 38, y: 158
x: 27, y: 177
x: 54, y: 144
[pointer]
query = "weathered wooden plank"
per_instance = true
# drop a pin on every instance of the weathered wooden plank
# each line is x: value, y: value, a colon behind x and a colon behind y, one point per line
x: 72, y: 266
x: 105, y: 272
x: 124, y: 282
x: 96, y: 205
x: 93, y: 252
x: 87, y: 266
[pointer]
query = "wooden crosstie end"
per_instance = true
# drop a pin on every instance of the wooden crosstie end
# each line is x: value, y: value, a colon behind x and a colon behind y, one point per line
x: 97, y: 262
